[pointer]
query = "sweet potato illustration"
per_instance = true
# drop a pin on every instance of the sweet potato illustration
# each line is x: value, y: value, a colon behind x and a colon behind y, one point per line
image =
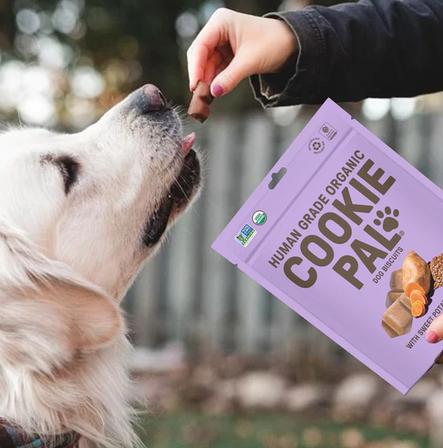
x: 416, y: 274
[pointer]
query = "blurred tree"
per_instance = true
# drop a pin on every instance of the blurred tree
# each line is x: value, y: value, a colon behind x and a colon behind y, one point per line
x: 81, y: 56
x: 152, y: 37
x: 7, y: 23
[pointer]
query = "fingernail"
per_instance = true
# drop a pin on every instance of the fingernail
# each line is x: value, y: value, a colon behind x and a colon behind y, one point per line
x: 217, y: 90
x: 432, y: 336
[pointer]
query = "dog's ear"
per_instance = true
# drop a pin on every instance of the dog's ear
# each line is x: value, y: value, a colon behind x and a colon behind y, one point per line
x: 95, y: 320
x: 47, y: 326
x: 92, y: 317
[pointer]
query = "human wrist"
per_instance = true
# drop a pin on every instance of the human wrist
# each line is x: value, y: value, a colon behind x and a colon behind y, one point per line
x: 287, y: 43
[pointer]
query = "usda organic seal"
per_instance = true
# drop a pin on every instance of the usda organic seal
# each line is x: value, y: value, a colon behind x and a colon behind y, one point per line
x: 259, y: 217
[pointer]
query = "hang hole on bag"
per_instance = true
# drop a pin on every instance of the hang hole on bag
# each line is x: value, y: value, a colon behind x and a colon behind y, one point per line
x: 277, y: 177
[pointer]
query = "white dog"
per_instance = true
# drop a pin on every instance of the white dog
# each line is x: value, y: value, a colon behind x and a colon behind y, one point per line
x: 78, y: 216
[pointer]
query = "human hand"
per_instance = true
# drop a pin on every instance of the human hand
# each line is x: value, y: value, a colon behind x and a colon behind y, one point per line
x: 435, y: 334
x: 232, y: 46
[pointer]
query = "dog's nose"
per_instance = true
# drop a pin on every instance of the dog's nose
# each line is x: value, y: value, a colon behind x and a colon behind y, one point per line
x: 150, y: 99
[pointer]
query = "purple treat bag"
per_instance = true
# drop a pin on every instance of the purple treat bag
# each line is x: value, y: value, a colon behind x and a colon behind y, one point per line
x: 327, y: 237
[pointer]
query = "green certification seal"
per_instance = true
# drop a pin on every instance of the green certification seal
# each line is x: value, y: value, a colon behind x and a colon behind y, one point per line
x: 259, y: 217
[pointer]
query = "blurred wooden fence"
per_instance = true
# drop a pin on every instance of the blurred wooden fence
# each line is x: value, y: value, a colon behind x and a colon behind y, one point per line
x: 191, y: 294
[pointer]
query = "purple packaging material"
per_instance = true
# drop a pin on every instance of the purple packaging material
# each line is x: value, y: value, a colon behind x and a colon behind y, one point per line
x: 327, y: 237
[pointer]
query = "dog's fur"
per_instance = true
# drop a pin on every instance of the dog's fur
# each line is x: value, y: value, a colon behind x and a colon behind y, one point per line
x: 68, y: 253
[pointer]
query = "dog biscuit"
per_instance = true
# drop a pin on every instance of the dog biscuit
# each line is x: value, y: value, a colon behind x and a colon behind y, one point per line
x: 200, y: 101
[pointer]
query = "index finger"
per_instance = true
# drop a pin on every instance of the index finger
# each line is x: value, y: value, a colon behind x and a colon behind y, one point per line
x: 200, y: 51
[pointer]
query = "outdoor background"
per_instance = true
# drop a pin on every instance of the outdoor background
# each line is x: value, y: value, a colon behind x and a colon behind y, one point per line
x: 221, y: 362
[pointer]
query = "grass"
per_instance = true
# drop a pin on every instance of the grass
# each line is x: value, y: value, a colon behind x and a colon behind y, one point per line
x: 267, y: 430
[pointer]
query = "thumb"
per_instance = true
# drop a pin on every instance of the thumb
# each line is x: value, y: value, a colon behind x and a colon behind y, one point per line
x: 230, y: 77
x: 435, y: 331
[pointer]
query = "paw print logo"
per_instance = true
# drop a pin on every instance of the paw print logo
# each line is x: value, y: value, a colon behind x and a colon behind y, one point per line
x: 387, y: 219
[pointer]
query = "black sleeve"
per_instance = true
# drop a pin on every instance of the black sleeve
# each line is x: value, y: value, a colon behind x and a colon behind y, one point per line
x: 373, y: 48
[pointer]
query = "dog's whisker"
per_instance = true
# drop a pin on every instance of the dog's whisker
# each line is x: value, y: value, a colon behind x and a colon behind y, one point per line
x: 177, y: 182
x: 183, y: 190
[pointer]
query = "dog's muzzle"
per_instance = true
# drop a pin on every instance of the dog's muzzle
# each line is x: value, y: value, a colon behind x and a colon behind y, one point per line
x: 150, y: 100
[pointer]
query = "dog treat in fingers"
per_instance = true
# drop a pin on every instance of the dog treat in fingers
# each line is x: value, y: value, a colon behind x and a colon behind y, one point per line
x: 200, y: 101
x: 416, y: 274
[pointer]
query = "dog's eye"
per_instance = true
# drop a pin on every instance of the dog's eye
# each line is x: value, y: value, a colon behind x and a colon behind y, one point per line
x: 69, y: 169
